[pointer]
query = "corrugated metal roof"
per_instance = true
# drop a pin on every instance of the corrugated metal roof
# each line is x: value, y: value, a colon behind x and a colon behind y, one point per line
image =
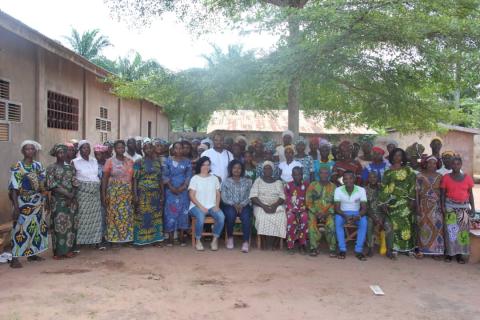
x: 273, y: 121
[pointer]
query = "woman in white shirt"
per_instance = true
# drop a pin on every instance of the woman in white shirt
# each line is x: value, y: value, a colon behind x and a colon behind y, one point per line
x: 204, y: 192
x: 90, y: 229
x: 287, y: 166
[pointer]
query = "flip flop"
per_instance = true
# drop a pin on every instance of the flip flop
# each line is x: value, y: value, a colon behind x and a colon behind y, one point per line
x: 360, y: 256
x: 341, y: 255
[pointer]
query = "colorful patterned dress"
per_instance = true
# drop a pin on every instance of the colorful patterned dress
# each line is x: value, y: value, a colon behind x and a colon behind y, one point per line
x: 397, y: 192
x: 64, y: 211
x: 374, y: 215
x: 119, y: 219
x: 320, y: 204
x: 251, y: 173
x: 297, y: 217
x: 318, y: 164
x: 29, y: 233
x: 147, y: 221
x: 307, y: 164
x: 348, y: 165
x: 176, y: 205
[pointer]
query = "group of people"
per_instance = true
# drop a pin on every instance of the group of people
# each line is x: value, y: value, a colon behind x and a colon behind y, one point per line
x: 148, y: 191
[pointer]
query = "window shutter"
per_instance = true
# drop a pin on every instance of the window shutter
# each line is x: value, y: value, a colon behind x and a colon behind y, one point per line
x: 4, y: 89
x: 14, y: 112
x: 4, y: 132
x: 3, y: 110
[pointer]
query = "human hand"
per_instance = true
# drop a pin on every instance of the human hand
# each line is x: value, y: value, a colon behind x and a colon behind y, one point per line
x: 15, y: 214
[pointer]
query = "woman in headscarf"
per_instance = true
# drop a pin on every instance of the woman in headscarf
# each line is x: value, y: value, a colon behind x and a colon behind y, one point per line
x: 90, y: 229
x: 101, y: 154
x: 176, y: 177
x: 268, y: 155
x: 314, y: 145
x: 305, y: 159
x: 397, y: 198
x: 71, y: 152
x: 187, y: 150
x: 26, y: 187
x: 458, y: 207
x: 148, y: 197
x: 287, y: 166
x: 325, y: 160
x: 414, y: 154
x: 268, y: 197
x: 391, y: 145
x: 109, y: 152
x: 117, y: 195
x: 346, y: 163
x: 62, y: 182
x: 367, y: 156
x: 429, y: 210
x: 287, y: 139
x: 259, y: 151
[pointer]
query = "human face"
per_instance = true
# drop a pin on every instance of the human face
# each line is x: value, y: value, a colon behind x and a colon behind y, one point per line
x: 414, y: 161
x: 205, y: 167
x: 324, y: 174
x: 29, y: 151
x: 237, y: 170
x: 300, y: 147
x: 195, y: 144
x: 355, y: 150
x: 390, y: 147
x: 297, y: 175
x: 456, y: 165
x: 267, y: 171
x: 313, y: 147
x: 372, y: 178
x: 367, y: 148
x: 397, y: 157
x: 431, y: 165
x: 377, y: 156
x: 248, y: 157
x: 138, y: 146
x: 259, y: 149
x: 131, y: 145
x: 236, y: 150
x: 85, y: 151
x: 148, y: 149
x: 436, y: 146
x: 346, y: 151
x: 200, y: 150
x: 119, y: 149
x: 218, y: 142
x: 70, y: 153
x: 287, y: 139
x: 158, y: 149
x: 324, y: 151
x: 289, y: 154
x: 243, y: 145
x: 228, y: 144
x: 61, y: 155
x: 99, y: 156
x: 177, y: 150
x: 187, y: 149
x: 268, y: 155
x: 447, y: 161
x: 348, y: 180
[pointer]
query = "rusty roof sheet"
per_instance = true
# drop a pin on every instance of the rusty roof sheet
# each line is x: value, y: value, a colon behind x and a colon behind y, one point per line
x: 273, y: 121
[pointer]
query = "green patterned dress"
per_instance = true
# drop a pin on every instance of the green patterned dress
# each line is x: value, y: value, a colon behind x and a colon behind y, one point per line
x: 397, y: 193
x: 64, y: 212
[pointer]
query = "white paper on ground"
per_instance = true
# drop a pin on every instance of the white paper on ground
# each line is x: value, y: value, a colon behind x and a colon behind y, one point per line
x: 5, y: 257
x: 377, y: 290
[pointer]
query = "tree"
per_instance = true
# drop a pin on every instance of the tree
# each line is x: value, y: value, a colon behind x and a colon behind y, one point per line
x: 353, y: 61
x: 89, y: 44
x: 134, y: 68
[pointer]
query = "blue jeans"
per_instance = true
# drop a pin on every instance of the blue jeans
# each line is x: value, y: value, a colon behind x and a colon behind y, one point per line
x: 245, y: 217
x: 218, y: 216
x: 361, y: 233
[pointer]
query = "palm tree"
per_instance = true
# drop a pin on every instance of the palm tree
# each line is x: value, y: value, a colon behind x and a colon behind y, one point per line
x: 135, y: 68
x: 89, y: 44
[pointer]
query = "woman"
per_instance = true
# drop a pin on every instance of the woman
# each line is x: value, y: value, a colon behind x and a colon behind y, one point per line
x: 429, y: 209
x: 325, y: 160
x: 268, y: 155
x: 286, y: 167
x: 62, y: 182
x: 71, y: 152
x: 259, y: 150
x: 297, y: 216
x: 314, y: 145
x: 367, y: 156
x: 397, y: 198
x: 250, y: 168
x: 458, y: 206
x: 148, y: 197
x: 346, y: 162
x: 26, y: 187
x: 268, y: 199
x: 176, y: 177
x: 204, y: 193
x: 90, y: 229
x: 117, y: 195
x: 305, y: 159
x: 187, y: 150
x: 235, y: 196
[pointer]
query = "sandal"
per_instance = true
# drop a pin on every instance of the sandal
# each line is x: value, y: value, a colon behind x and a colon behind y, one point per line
x: 448, y: 259
x: 341, y: 255
x: 392, y: 255
x: 460, y: 260
x: 332, y: 254
x: 15, y: 264
x: 35, y: 258
x: 360, y: 256
x: 313, y: 253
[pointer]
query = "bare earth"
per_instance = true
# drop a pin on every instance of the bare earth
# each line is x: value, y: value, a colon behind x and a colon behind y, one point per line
x: 179, y: 283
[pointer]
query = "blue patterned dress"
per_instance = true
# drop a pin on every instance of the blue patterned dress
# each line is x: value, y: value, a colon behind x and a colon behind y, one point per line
x: 176, y: 205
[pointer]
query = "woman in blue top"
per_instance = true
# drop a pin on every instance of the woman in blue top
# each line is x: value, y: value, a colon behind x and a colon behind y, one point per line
x: 324, y: 161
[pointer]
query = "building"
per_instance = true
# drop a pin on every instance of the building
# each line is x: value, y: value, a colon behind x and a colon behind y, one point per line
x: 51, y: 94
x: 255, y: 124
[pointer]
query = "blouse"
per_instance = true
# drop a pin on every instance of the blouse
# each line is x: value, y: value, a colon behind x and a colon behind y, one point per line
x: 236, y: 192
x: 457, y: 190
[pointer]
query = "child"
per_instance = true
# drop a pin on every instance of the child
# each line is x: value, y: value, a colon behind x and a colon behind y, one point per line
x: 374, y: 215
x: 297, y: 218
x: 321, y: 211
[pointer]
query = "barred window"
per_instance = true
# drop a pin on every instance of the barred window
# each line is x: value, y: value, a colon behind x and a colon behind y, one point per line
x: 62, y: 111
x: 102, y: 123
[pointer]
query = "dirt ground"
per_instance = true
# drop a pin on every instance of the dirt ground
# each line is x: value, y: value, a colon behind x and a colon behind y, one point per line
x: 179, y: 283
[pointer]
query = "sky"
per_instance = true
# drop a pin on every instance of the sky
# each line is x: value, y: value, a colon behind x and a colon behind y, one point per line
x: 166, y: 40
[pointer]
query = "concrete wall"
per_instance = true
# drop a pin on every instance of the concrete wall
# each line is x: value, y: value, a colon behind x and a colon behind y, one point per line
x: 130, y: 117
x: 476, y: 152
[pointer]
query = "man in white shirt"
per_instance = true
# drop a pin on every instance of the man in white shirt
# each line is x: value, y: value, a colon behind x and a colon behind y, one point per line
x: 287, y: 139
x: 132, y: 150
x: 219, y: 158
x: 350, y: 206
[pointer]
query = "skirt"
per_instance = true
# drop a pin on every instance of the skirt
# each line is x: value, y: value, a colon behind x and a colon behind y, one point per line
x: 65, y: 223
x: 147, y: 222
x: 89, y: 213
x: 119, y: 217
x: 457, y: 228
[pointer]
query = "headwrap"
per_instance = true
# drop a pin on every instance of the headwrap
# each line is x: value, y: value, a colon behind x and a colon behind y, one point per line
x: 35, y: 144
x: 324, y: 142
x: 344, y: 143
x: 69, y: 145
x: 432, y: 157
x: 314, y: 140
x: 437, y: 138
x: 391, y: 141
x: 196, y: 141
x: 287, y: 133
x: 269, y: 146
x: 146, y: 141
x: 289, y: 147
x: 202, y: 146
x: 267, y: 163
x: 425, y: 159
x: 240, y: 138
x: 57, y: 147
x: 100, y: 148
x: 378, y: 150
x: 300, y: 139
x: 207, y: 140
x: 415, y: 149
x: 138, y: 138
x: 108, y: 143
x: 82, y: 142
x: 449, y: 153
x: 73, y: 141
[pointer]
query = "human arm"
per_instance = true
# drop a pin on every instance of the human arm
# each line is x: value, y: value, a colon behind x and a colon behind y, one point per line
x: 104, y: 184
x: 472, y: 202
x: 192, y: 194
x: 217, y: 200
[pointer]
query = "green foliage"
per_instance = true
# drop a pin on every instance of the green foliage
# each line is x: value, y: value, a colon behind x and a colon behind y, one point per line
x: 88, y: 44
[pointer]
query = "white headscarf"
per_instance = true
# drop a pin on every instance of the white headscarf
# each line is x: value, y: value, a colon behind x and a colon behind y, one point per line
x: 82, y: 142
x: 287, y: 133
x: 240, y: 138
x: 146, y: 140
x: 207, y: 140
x: 35, y: 144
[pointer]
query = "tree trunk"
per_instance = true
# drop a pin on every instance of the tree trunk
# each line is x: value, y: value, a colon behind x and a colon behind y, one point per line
x: 294, y: 88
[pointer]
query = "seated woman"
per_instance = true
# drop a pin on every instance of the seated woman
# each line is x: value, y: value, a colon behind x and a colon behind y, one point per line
x: 268, y: 198
x: 204, y: 192
x: 235, y: 196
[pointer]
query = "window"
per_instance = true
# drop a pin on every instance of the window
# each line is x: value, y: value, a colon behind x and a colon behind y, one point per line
x: 62, y: 112
x: 4, y: 89
x: 149, y: 129
x: 4, y: 131
x: 9, y: 110
x: 103, y: 137
x: 102, y: 123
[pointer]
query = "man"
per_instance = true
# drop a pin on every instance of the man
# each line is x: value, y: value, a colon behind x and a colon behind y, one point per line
x: 139, y: 145
x: 228, y: 143
x: 436, y: 146
x: 287, y: 137
x: 219, y: 158
x: 447, y: 160
x: 378, y: 165
x: 350, y: 207
x: 414, y: 154
x: 346, y: 163
x: 132, y: 150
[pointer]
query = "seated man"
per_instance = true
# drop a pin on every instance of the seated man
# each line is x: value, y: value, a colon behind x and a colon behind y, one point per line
x: 350, y: 206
